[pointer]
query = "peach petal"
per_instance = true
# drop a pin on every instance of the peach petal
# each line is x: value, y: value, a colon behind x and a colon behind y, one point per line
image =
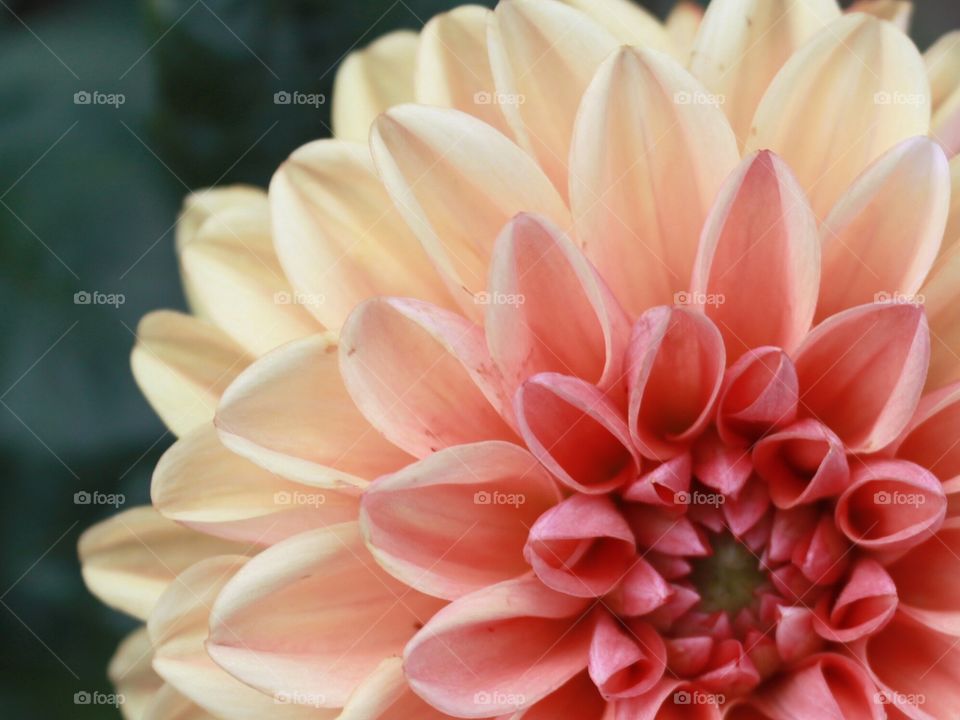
x: 928, y: 581
x: 168, y: 704
x: 675, y: 365
x: 582, y: 547
x: 422, y: 376
x: 941, y: 301
x: 801, y: 464
x: 426, y: 156
x: 647, y: 159
x: 576, y: 432
x: 499, y: 650
x: 338, y: 236
x: 535, y: 270
x: 883, y: 235
x: 204, y: 486
x: 861, y: 372
x: 328, y: 586
x: 371, y: 80
x: 743, y: 43
x: 865, y: 604
x: 457, y: 521
x: 291, y: 414
x: 385, y: 695
x: 543, y: 54
x: 856, y: 115
x: 890, y: 505
x: 626, y: 660
x: 759, y: 241
x: 577, y: 699
x: 759, y: 394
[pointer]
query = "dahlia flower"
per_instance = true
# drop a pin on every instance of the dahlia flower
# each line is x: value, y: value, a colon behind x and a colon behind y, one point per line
x: 598, y: 368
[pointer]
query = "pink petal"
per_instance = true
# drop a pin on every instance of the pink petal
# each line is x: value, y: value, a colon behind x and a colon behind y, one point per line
x: 791, y: 528
x: 576, y: 432
x: 642, y: 590
x: 626, y: 660
x: 795, y: 635
x: 665, y: 532
x: 665, y: 485
x: 499, y: 650
x: 421, y: 376
x: 866, y: 603
x: 746, y: 509
x: 891, y: 505
x: 288, y: 621
x: 928, y: 581
x: 861, y: 372
x: 675, y: 363
x: 759, y: 243
x: 823, y: 686
x: 759, y: 394
x: 688, y: 656
x: 801, y: 464
x: 827, y: 556
x: 930, y: 439
x: 882, y: 236
x: 581, y: 547
x: 719, y: 466
x: 385, y: 695
x: 457, y: 520
x: 578, y: 699
x: 535, y: 270
x: 671, y: 699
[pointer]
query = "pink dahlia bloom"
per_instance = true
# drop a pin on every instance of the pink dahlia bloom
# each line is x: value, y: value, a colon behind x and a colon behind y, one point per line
x: 616, y: 378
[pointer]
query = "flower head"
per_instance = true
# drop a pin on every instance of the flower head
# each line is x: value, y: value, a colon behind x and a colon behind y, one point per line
x: 617, y: 376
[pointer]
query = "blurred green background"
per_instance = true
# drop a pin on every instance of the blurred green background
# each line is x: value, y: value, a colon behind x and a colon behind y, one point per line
x: 88, y: 197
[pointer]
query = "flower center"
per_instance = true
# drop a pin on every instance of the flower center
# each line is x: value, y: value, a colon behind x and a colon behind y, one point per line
x: 728, y: 579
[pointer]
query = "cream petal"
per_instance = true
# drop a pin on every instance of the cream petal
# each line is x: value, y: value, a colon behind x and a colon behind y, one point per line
x: 883, y: 235
x: 291, y: 414
x: 312, y: 617
x: 499, y: 650
x: 200, y: 206
x: 628, y: 22
x: 853, y: 92
x: 182, y: 365
x: 861, y: 372
x: 457, y: 520
x: 453, y: 69
x: 683, y: 24
x: 178, y: 627
x: 535, y: 270
x: 131, y: 673
x: 943, y: 65
x: 899, y: 12
x: 951, y: 235
x: 371, y: 80
x: 338, y: 236
x: 385, y: 695
x: 422, y: 376
x: 941, y: 301
x: 129, y: 559
x: 543, y: 55
x: 202, y: 485
x: 233, y: 272
x: 760, y: 242
x: 168, y: 704
x: 456, y: 181
x: 743, y: 43
x: 647, y: 160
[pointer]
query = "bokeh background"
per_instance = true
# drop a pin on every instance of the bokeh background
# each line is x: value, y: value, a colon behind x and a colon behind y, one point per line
x: 88, y: 198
